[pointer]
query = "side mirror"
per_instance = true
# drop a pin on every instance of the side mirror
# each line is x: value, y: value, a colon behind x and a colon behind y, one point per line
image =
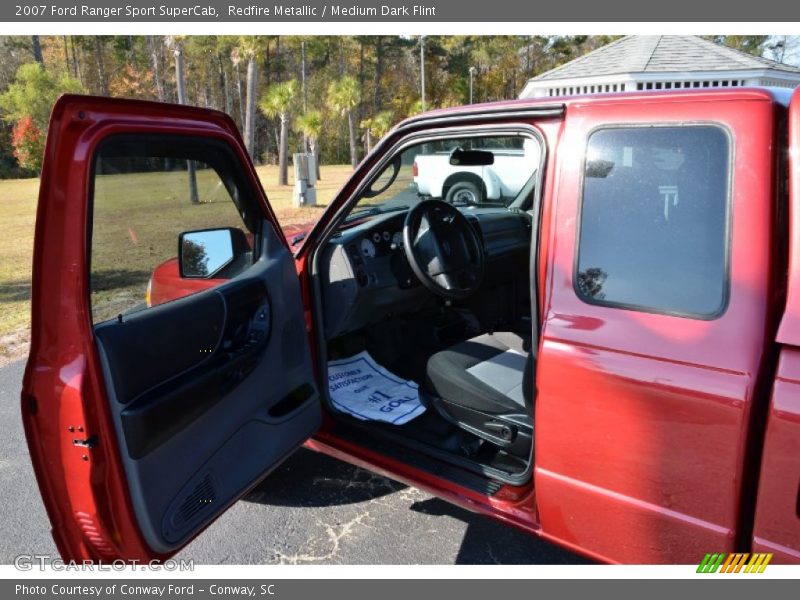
x: 206, y: 254
x: 471, y: 158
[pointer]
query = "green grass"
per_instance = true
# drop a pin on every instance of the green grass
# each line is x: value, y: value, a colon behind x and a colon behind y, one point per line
x: 137, y: 221
x: 18, y: 201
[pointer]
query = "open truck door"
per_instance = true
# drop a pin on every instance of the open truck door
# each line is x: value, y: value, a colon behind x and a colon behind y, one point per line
x: 145, y: 423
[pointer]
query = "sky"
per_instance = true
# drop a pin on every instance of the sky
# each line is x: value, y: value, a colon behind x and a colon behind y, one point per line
x: 792, y: 53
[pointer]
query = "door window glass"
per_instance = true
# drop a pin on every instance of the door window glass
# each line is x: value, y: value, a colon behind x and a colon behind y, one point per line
x: 154, y: 201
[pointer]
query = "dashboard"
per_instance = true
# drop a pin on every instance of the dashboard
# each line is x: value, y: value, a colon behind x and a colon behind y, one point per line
x: 376, y: 242
x: 366, y: 276
x: 377, y: 249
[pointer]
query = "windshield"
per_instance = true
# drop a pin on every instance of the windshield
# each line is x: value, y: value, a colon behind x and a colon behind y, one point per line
x: 486, y: 170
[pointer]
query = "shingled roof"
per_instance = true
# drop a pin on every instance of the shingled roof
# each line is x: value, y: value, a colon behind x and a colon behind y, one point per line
x: 661, y: 53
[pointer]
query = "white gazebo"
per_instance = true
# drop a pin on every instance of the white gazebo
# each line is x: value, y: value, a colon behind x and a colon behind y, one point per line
x: 660, y: 62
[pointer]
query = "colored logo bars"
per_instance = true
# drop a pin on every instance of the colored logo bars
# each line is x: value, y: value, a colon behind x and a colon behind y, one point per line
x: 734, y: 563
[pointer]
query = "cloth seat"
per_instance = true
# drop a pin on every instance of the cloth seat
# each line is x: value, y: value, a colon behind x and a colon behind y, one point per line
x: 491, y: 374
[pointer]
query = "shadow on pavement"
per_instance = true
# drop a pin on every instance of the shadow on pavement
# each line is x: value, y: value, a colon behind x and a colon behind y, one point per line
x: 333, y: 483
x: 488, y: 542
x: 309, y: 479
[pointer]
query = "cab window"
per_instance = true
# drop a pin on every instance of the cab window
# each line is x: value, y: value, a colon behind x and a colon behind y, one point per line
x: 492, y: 170
x: 654, y: 220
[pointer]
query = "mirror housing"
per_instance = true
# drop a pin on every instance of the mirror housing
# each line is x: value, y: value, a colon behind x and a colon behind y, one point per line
x: 206, y: 253
x: 471, y: 158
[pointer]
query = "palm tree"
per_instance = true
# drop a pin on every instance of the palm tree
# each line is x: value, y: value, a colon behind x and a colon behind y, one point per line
x: 366, y: 125
x: 278, y: 101
x: 376, y: 127
x: 310, y: 125
x: 175, y: 43
x: 344, y: 95
x: 155, y: 64
x: 236, y: 59
x: 383, y: 122
x: 249, y: 48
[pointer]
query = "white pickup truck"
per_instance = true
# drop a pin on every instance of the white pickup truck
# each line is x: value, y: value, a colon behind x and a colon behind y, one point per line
x: 436, y: 175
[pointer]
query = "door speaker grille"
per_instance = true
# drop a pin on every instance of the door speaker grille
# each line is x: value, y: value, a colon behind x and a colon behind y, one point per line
x: 191, y: 509
x: 201, y: 498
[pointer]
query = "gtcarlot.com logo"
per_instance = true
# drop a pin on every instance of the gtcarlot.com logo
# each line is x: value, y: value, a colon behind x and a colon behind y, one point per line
x: 740, y: 562
x: 41, y: 562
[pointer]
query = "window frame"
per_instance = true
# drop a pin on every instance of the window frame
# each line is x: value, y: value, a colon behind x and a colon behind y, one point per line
x: 512, y: 129
x: 240, y: 179
x: 726, y: 283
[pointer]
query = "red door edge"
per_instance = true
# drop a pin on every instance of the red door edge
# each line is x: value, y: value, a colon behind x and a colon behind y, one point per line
x: 73, y: 446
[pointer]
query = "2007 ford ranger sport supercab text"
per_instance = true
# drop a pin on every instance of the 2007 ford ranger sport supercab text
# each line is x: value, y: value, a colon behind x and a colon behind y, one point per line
x: 608, y: 359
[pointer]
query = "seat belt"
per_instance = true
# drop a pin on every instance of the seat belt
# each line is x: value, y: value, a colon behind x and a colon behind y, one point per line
x: 533, y: 275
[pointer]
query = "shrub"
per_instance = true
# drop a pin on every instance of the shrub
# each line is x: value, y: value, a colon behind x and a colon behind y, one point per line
x: 28, y: 142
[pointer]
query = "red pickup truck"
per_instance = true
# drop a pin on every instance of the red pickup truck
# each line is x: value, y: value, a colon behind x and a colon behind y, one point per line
x: 609, y: 360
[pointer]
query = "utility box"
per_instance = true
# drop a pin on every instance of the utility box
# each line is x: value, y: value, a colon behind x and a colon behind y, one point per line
x: 305, y: 180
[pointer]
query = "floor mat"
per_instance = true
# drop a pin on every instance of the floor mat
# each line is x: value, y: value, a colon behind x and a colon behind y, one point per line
x: 365, y: 390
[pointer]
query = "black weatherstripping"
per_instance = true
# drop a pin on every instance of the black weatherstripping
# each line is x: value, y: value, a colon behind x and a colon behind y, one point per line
x: 153, y: 413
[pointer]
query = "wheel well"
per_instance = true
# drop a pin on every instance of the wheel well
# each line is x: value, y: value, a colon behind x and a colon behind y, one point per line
x: 458, y: 178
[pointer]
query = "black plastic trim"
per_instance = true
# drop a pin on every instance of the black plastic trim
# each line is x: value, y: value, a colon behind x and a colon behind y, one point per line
x: 419, y: 455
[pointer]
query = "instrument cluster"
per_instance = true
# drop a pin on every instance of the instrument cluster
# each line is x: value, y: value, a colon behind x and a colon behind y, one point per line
x: 380, y: 242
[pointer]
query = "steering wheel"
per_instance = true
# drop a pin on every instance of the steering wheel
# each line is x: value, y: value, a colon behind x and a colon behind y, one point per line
x: 443, y: 249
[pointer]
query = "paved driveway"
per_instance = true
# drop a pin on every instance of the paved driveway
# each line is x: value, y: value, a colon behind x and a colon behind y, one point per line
x: 312, y: 509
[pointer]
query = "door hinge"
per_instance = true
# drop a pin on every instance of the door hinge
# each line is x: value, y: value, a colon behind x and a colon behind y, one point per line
x: 89, y: 442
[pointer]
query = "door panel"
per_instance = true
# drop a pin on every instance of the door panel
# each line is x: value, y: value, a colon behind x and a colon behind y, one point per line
x: 198, y: 437
x: 145, y: 427
x: 642, y: 414
x: 132, y: 379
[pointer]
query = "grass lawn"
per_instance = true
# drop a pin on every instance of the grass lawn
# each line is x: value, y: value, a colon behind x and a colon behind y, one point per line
x: 140, y: 214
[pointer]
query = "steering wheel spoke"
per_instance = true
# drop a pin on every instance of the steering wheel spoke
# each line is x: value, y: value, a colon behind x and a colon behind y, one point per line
x: 446, y: 280
x: 443, y: 249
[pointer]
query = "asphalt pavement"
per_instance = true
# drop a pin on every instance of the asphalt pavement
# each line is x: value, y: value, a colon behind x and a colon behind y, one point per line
x: 312, y: 510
